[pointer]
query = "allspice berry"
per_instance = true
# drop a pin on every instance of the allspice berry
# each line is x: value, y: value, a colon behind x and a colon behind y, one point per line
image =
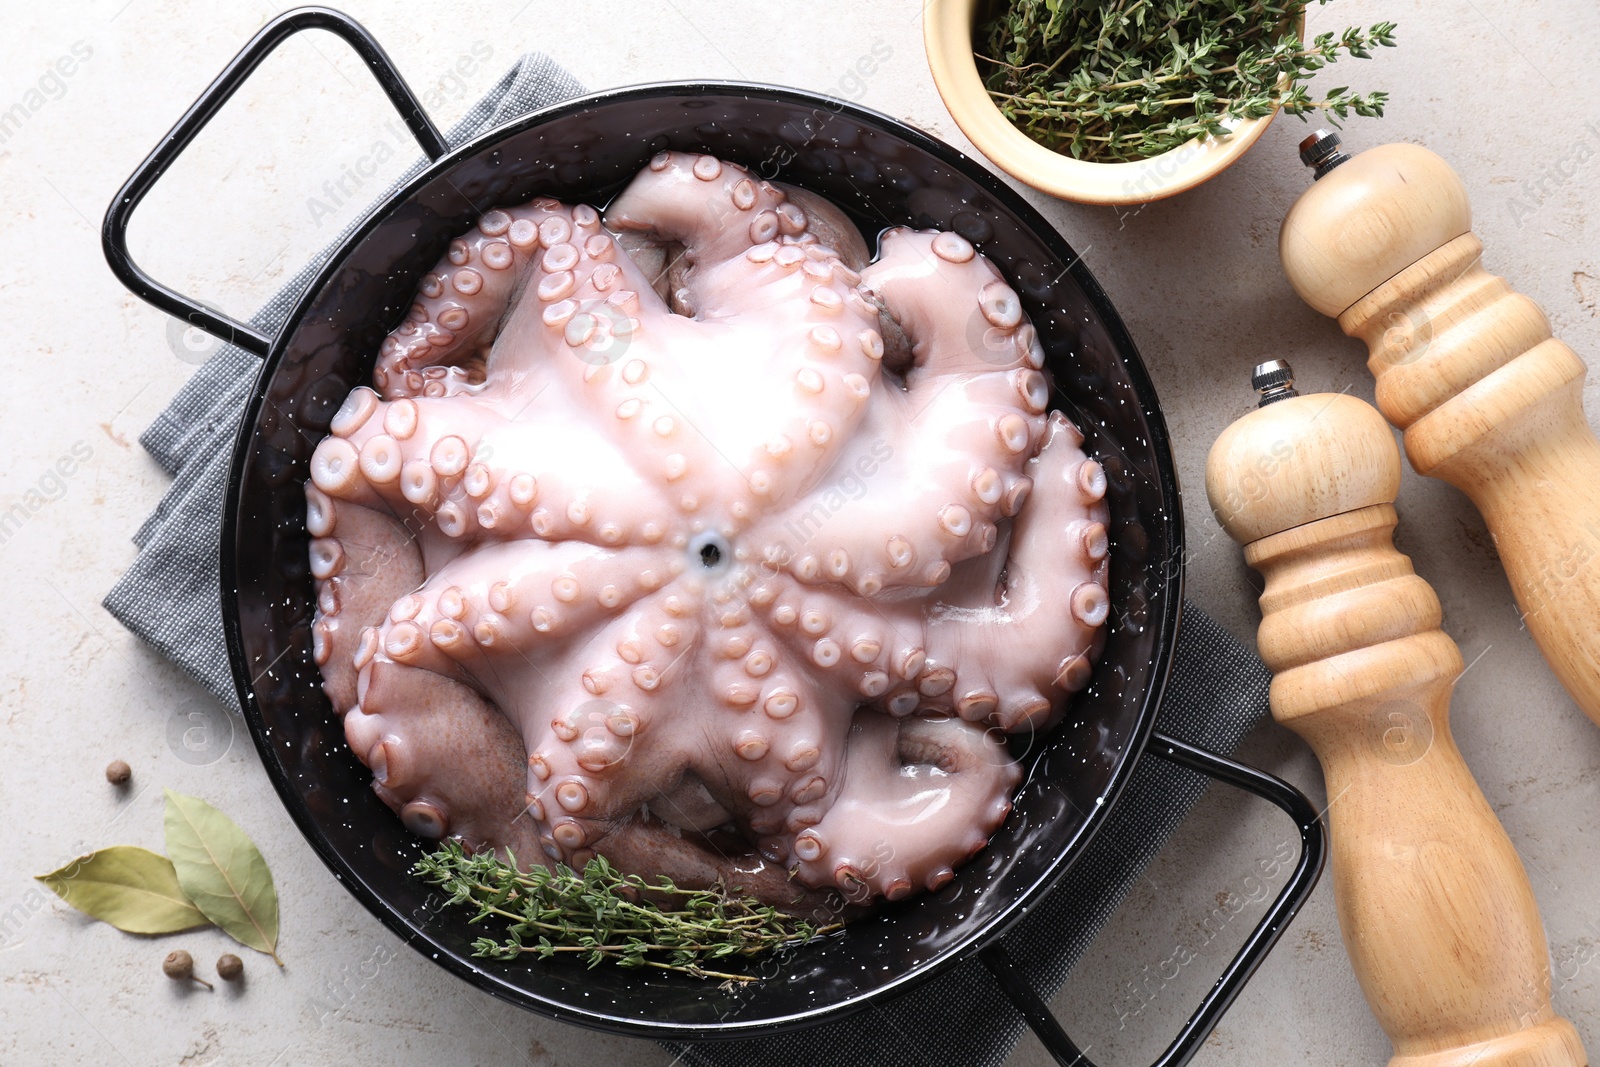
x: 179, y: 966
x: 230, y: 968
x: 118, y: 772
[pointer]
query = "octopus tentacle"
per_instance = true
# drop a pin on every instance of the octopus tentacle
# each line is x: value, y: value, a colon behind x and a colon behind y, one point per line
x: 461, y: 301
x: 831, y: 227
x: 518, y: 599
x: 777, y: 728
x: 657, y: 260
x: 908, y: 783
x: 647, y: 844
x: 461, y: 466
x: 584, y: 309
x: 778, y: 771
x: 362, y: 560
x: 868, y: 650
x: 967, y: 333
x: 716, y: 210
x: 824, y: 364
x: 590, y: 297
x: 596, y: 752
x: 411, y: 729
x: 1023, y: 643
x: 960, y: 432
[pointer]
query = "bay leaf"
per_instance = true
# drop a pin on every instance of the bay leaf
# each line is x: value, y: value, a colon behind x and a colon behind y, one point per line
x: 223, y: 872
x: 131, y: 888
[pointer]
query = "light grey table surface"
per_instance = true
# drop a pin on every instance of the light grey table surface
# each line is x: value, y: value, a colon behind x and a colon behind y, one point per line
x: 1506, y: 90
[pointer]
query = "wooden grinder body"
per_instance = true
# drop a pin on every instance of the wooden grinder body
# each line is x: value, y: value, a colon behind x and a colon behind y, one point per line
x: 1489, y: 401
x: 1436, y: 911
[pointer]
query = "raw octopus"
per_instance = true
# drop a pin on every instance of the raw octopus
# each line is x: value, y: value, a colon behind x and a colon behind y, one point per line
x: 688, y: 536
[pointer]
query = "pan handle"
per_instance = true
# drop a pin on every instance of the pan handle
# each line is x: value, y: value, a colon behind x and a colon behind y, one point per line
x: 1313, y: 854
x: 114, y: 232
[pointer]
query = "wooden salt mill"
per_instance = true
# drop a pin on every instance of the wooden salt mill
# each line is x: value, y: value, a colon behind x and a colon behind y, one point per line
x: 1436, y: 910
x: 1488, y: 399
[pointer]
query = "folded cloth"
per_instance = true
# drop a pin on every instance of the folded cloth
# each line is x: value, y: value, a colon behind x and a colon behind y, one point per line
x: 170, y: 597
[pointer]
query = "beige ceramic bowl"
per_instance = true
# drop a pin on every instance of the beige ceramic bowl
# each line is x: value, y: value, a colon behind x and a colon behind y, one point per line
x: 947, y: 34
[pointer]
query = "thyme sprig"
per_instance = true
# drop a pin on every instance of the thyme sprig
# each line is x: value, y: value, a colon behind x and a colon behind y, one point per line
x: 602, y: 914
x: 1109, y: 80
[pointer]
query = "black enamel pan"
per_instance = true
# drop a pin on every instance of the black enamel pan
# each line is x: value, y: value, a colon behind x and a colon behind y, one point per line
x: 883, y: 173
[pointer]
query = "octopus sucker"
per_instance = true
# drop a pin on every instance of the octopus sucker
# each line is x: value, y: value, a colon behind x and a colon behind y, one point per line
x: 699, y: 535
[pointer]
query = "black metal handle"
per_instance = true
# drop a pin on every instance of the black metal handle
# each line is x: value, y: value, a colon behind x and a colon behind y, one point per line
x: 1313, y: 854
x: 114, y: 232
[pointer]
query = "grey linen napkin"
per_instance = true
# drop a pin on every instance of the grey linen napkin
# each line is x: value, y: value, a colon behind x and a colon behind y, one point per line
x: 170, y: 597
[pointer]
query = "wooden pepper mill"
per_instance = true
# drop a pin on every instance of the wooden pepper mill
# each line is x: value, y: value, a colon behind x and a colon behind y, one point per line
x: 1436, y: 910
x: 1488, y: 399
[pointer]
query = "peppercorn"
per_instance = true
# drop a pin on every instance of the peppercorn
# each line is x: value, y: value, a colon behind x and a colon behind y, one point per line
x: 179, y: 966
x: 230, y: 968
x: 118, y: 772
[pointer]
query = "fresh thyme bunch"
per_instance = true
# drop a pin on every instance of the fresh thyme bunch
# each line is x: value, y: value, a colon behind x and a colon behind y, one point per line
x: 602, y: 914
x: 1110, y: 80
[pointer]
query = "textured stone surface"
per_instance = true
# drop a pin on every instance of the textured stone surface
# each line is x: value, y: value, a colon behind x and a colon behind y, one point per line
x: 1503, y: 89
